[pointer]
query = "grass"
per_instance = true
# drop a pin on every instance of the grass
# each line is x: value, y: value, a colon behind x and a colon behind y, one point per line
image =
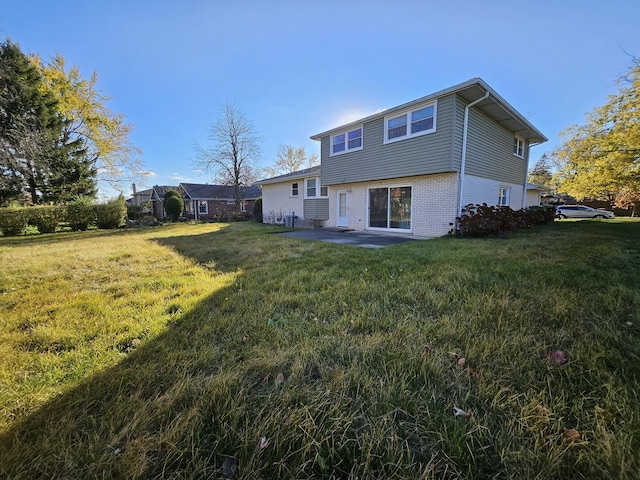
x: 224, y: 351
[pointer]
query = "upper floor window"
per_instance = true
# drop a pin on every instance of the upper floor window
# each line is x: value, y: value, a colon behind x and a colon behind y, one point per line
x: 346, y: 141
x: 410, y: 124
x: 518, y: 146
x: 294, y: 189
x: 503, y: 196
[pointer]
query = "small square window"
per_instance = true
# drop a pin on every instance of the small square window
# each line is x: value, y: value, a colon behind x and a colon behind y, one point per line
x: 324, y: 191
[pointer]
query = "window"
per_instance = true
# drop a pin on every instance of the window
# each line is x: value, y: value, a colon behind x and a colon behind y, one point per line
x: 311, y: 187
x: 324, y: 192
x: 518, y: 147
x: 503, y: 196
x: 390, y: 208
x: 346, y: 141
x: 294, y: 189
x: 410, y: 124
x: 203, y: 207
x: 243, y: 206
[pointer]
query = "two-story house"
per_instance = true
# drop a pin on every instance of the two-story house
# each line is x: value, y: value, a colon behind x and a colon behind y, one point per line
x: 412, y: 168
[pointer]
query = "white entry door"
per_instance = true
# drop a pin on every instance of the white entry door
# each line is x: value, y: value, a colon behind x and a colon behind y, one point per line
x: 342, y: 219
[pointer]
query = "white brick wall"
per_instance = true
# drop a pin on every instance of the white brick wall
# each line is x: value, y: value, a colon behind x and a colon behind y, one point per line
x: 434, y: 203
x: 485, y: 190
x: 278, y: 202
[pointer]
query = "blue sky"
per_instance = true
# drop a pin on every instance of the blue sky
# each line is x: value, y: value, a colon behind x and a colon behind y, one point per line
x: 297, y: 68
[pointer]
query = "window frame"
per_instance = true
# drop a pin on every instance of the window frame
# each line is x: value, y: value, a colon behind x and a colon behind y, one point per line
x: 346, y: 141
x: 295, y: 187
x: 390, y: 187
x: 206, y: 207
x: 243, y: 206
x: 518, y: 146
x: 408, y: 122
x: 315, y: 187
x: 506, y: 197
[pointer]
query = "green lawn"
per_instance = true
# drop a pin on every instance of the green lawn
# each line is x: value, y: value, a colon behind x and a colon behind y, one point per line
x: 224, y: 351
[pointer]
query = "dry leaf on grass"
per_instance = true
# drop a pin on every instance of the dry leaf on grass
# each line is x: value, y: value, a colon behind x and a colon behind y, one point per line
x: 571, y: 436
x: 458, y: 412
x: 474, y: 372
x: 453, y: 355
x: 264, y: 443
x: 556, y: 357
x: 462, y: 361
x: 279, y: 379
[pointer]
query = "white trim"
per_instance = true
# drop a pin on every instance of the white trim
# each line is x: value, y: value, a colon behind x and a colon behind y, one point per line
x: 389, y: 187
x: 317, y: 187
x: 507, y: 196
x: 206, y: 205
x: 407, y: 114
x: 520, y: 140
x: 346, y: 141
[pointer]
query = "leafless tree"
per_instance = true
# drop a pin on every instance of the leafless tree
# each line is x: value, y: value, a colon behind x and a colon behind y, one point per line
x: 291, y: 159
x: 232, y: 151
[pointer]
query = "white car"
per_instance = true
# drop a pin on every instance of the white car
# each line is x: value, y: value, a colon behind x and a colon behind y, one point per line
x: 582, y: 211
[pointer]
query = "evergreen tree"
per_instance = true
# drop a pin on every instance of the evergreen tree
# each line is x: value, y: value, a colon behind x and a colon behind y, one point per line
x: 30, y: 127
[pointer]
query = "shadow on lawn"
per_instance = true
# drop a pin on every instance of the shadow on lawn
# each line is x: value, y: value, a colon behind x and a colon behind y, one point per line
x: 117, y: 423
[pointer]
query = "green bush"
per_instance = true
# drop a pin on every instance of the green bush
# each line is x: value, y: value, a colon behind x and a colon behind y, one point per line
x: 173, y: 204
x: 490, y: 221
x: 46, y: 217
x: 80, y: 213
x: 111, y: 214
x: 13, y: 220
x: 257, y: 210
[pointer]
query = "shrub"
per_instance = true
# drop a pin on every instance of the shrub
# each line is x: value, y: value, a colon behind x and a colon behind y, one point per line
x: 257, y: 210
x: 46, y: 217
x: 490, y: 221
x: 80, y: 213
x: 173, y: 204
x: 111, y: 214
x: 13, y: 220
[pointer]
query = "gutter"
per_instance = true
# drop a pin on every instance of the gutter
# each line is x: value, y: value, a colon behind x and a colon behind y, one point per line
x: 463, y: 162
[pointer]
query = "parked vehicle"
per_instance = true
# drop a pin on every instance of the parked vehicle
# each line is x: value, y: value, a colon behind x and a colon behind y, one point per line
x: 581, y: 211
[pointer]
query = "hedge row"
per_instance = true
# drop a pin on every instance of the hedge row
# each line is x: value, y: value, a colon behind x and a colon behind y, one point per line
x: 490, y: 221
x: 79, y: 215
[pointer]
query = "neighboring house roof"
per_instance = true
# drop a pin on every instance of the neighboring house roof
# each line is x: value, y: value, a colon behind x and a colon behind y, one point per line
x: 199, y: 191
x: 307, y: 172
x: 494, y: 106
x: 533, y: 186
x: 158, y: 191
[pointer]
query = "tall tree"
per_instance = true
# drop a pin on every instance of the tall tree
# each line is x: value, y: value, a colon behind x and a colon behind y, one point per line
x: 103, y: 134
x: 30, y: 126
x: 232, y: 151
x: 601, y: 159
x: 291, y: 159
x: 541, y: 172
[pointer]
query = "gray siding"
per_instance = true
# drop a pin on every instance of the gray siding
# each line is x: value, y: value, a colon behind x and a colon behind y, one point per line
x: 421, y: 155
x: 316, y: 209
x: 490, y: 151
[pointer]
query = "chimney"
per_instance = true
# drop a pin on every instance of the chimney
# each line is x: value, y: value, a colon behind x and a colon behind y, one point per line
x: 133, y: 187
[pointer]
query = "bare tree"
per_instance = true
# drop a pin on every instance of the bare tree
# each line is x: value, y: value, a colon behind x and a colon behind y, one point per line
x: 291, y: 159
x: 232, y: 151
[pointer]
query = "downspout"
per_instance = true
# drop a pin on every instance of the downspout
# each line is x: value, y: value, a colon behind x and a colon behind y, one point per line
x: 463, y: 162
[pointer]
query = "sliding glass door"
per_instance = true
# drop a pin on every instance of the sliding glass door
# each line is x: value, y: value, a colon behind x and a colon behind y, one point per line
x: 390, y: 207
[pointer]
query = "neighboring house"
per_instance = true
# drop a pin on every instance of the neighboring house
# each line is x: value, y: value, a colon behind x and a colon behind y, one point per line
x: 534, y: 194
x: 202, y: 201
x: 140, y: 199
x: 215, y: 201
x: 412, y: 168
x: 296, y: 194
